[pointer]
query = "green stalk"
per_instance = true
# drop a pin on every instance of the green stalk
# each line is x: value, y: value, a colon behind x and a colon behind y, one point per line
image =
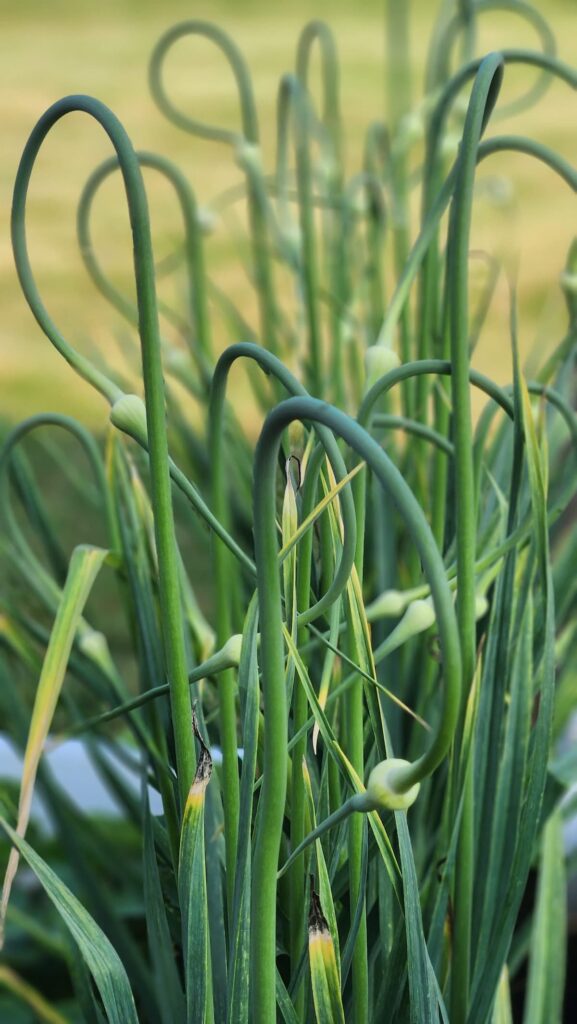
x: 399, y: 104
x: 89, y: 445
x: 464, y: 19
x: 442, y: 196
x: 227, y: 710
x: 246, y: 145
x: 427, y: 366
x: 354, y: 711
x: 273, y: 795
x: 376, y: 229
x: 297, y: 886
x: 173, y: 639
x: 353, y: 708
x: 293, y: 100
x: 483, y: 98
x: 331, y: 168
x: 271, y: 365
x: 194, y: 255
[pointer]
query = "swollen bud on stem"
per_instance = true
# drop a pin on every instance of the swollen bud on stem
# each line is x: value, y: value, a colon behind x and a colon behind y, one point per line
x: 379, y: 360
x: 385, y: 786
x: 569, y: 281
x: 231, y: 650
x: 419, y: 616
x: 227, y: 656
x: 129, y: 414
x: 249, y: 157
x: 386, y: 791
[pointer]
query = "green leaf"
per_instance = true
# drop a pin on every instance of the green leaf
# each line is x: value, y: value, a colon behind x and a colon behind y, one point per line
x: 344, y: 765
x: 239, y: 955
x: 424, y: 993
x: 100, y: 956
x: 192, y: 892
x: 168, y: 987
x: 503, y: 1013
x: 326, y: 896
x: 324, y: 970
x: 83, y: 570
x: 284, y: 1004
x: 545, y: 986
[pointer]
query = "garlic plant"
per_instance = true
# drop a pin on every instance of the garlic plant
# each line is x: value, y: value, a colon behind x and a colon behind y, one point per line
x: 355, y: 747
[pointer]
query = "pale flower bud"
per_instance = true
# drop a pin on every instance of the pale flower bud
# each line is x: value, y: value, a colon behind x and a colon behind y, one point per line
x: 389, y: 605
x: 129, y: 414
x: 379, y: 360
x: 419, y: 616
x: 206, y: 220
x: 93, y: 644
x: 384, y: 788
x: 249, y: 157
x: 231, y: 649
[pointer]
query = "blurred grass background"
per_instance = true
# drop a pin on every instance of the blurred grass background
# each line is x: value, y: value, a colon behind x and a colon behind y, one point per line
x: 51, y: 49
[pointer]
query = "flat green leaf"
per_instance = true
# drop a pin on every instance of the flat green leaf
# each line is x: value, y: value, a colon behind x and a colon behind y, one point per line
x: 503, y: 1013
x: 284, y: 1004
x: 325, y: 980
x: 239, y: 955
x: 326, y: 896
x: 83, y: 570
x: 424, y: 992
x: 312, y: 517
x: 168, y: 987
x: 344, y: 765
x: 545, y: 988
x: 98, y: 953
x: 192, y: 893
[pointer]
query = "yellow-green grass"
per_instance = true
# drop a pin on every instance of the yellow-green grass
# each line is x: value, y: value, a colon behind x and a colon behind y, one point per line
x: 53, y: 49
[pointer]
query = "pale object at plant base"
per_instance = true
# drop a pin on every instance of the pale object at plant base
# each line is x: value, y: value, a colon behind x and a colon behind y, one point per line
x: 72, y: 768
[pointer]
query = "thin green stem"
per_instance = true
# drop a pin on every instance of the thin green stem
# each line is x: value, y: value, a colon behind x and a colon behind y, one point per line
x: 193, y: 253
x: 172, y: 631
x: 293, y: 106
x: 398, y: 105
x: 246, y: 145
x: 271, y: 365
x: 272, y: 801
x: 331, y: 169
x: 483, y: 98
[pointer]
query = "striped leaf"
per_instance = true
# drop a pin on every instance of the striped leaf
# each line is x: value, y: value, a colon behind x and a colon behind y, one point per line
x: 324, y: 970
x: 83, y: 570
x: 192, y: 892
x: 239, y: 955
x: 325, y: 893
x: 164, y: 969
x: 545, y: 987
x: 503, y: 1013
x: 289, y: 526
x: 98, y: 953
x: 344, y: 765
x: 424, y: 993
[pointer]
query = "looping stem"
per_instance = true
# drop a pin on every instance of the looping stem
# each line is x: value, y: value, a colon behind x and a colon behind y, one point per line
x: 272, y: 657
x: 169, y: 586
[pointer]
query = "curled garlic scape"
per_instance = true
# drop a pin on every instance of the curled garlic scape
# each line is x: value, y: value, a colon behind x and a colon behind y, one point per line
x: 386, y: 791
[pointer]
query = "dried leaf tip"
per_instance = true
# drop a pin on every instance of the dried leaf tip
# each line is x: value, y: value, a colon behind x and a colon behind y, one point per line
x: 318, y: 924
x: 204, y: 763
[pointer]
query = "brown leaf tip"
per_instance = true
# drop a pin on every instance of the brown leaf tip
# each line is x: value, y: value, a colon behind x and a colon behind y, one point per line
x: 293, y: 472
x: 317, y: 920
x: 204, y: 763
